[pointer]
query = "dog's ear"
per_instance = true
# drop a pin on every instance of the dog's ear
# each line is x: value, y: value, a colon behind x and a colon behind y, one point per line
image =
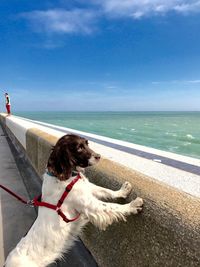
x: 59, y: 162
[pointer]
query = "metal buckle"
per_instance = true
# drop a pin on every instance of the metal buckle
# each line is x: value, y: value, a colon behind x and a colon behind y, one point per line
x: 30, y: 203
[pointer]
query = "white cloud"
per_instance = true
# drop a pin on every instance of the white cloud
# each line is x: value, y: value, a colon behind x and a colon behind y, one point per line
x: 176, y: 82
x: 61, y: 21
x: 84, y: 20
x: 193, y: 81
x: 139, y: 8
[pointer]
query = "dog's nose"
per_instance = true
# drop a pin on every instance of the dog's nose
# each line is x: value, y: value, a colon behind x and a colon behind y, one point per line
x: 97, y: 156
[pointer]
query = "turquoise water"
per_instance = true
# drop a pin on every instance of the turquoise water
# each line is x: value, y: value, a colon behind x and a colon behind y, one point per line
x: 177, y: 132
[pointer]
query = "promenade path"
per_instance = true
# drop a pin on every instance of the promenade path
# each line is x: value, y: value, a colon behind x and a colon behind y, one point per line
x: 15, y: 217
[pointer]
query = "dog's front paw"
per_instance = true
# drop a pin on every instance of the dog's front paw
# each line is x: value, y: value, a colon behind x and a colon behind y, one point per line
x: 136, y: 205
x: 125, y: 189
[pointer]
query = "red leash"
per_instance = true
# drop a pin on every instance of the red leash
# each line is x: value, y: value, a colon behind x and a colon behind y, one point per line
x: 14, y: 195
x: 37, y: 203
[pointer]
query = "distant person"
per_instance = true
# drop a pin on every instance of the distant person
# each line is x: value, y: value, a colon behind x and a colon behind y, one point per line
x: 7, y: 103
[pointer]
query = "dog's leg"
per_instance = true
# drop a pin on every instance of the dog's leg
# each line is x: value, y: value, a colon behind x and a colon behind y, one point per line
x: 104, y: 193
x: 103, y: 214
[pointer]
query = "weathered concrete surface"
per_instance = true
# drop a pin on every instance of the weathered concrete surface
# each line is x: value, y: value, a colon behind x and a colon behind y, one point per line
x: 166, y: 233
x: 38, y: 147
x: 15, y: 217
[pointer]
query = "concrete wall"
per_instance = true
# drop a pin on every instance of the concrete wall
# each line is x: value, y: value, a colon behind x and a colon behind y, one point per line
x: 166, y: 233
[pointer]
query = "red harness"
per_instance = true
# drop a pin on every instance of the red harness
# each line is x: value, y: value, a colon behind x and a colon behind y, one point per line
x: 36, y: 202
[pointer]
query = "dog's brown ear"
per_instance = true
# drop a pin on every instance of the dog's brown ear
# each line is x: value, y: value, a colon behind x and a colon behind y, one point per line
x: 59, y: 163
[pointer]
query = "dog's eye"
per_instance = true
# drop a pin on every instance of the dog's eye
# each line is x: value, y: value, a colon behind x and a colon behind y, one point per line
x: 80, y: 148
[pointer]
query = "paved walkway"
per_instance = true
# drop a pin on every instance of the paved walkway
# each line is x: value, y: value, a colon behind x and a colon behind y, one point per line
x: 13, y: 224
x: 16, y: 218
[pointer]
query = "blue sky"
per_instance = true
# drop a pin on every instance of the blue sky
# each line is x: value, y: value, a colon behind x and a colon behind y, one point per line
x: 100, y: 54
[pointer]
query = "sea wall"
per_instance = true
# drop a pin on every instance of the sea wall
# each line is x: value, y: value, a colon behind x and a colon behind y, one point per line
x: 166, y: 233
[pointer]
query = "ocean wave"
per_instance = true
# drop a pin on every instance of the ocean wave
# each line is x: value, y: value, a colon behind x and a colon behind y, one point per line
x: 187, y: 144
x: 171, y: 134
x: 192, y: 141
x: 189, y: 136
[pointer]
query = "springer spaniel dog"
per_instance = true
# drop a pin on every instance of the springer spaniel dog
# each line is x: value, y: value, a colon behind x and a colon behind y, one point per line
x: 74, y: 201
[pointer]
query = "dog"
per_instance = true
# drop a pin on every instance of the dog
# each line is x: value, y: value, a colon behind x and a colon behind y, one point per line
x: 50, y: 235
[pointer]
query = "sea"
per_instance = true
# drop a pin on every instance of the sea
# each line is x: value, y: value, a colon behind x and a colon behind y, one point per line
x: 177, y: 132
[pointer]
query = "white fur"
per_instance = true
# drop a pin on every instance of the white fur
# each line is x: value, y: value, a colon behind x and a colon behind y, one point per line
x: 50, y: 236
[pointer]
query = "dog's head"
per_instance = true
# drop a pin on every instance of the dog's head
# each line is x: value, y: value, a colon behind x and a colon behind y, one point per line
x: 70, y: 153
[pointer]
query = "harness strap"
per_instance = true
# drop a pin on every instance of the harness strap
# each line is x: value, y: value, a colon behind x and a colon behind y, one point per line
x: 36, y: 201
x: 57, y: 208
x: 67, y: 190
x: 65, y: 219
